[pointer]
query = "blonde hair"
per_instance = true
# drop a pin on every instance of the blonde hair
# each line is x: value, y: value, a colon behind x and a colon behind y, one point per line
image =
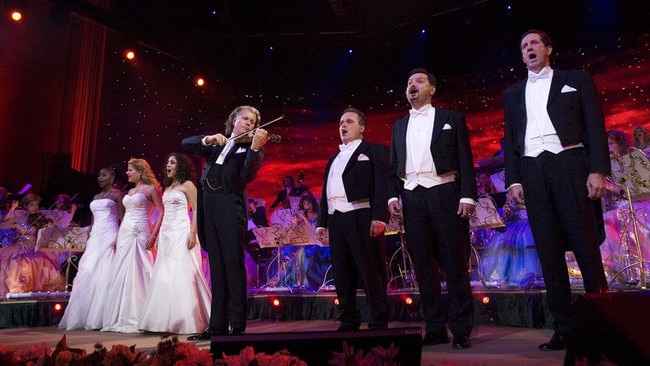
x: 231, y: 118
x: 145, y: 174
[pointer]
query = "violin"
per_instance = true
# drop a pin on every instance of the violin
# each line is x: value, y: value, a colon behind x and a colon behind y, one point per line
x: 38, y: 220
x: 248, y: 136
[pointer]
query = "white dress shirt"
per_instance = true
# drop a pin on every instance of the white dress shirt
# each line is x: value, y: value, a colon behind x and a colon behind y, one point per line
x: 225, y: 151
x: 420, y: 169
x: 337, y: 200
x: 540, y: 133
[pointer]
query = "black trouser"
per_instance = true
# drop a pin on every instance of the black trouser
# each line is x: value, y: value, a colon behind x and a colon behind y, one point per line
x: 224, y: 225
x: 562, y: 218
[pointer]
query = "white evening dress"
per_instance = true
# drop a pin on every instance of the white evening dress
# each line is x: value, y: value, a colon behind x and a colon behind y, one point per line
x: 132, y: 267
x: 179, y: 297
x: 85, y: 308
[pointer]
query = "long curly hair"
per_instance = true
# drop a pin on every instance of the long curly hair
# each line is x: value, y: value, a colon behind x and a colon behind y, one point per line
x: 308, y: 197
x: 144, y: 170
x: 621, y: 139
x: 184, y: 169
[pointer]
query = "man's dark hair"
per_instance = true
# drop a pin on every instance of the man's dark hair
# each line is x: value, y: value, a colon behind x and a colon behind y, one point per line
x: 432, y: 78
x: 546, y: 39
x: 362, y: 116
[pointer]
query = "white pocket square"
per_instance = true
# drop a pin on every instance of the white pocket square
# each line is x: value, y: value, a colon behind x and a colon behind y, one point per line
x: 446, y: 127
x: 362, y: 157
x: 240, y: 150
x: 567, y: 89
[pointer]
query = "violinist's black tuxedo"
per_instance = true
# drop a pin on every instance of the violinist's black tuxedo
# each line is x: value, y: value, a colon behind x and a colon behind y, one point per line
x: 222, y: 225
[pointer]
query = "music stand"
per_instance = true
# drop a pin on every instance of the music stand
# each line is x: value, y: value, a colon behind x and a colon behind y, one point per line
x: 63, y: 240
x: 631, y: 172
x: 278, y: 237
x: 406, y: 272
x: 485, y: 216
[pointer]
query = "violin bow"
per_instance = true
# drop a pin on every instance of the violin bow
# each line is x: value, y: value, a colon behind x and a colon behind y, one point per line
x: 254, y: 129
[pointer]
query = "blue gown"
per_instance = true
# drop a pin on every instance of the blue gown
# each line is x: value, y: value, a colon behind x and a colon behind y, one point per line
x: 510, y: 258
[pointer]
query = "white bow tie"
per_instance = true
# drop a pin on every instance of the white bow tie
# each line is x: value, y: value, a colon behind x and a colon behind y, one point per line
x: 349, y: 146
x: 415, y: 113
x: 532, y: 77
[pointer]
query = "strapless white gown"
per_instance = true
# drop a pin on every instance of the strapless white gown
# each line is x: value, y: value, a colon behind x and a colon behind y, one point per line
x: 179, y: 297
x: 85, y: 308
x: 132, y: 267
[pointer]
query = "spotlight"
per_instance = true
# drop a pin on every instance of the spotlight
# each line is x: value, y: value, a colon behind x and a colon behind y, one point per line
x: 336, y: 301
x: 200, y: 81
x: 15, y: 8
x: 58, y: 308
x: 412, y: 312
x: 490, y: 311
x: 56, y: 312
x: 408, y: 301
x: 277, y: 307
x: 129, y: 54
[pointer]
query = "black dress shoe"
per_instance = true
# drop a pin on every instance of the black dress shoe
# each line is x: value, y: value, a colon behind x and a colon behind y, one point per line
x: 557, y: 343
x: 206, y: 335
x: 431, y: 339
x: 461, y: 342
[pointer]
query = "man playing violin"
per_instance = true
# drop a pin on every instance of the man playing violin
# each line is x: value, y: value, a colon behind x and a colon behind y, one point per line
x: 230, y: 166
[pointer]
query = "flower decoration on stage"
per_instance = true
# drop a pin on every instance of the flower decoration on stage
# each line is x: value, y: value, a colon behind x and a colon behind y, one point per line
x: 247, y: 356
x: 168, y: 352
x: 172, y: 352
x: 377, y: 356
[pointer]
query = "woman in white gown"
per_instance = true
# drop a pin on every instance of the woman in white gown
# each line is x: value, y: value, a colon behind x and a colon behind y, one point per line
x: 85, y: 308
x: 134, y: 252
x: 177, y: 269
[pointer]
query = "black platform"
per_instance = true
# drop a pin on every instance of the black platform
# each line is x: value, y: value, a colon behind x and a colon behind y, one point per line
x: 507, y: 308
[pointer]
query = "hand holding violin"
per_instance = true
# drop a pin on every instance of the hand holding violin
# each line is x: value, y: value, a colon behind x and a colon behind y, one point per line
x: 259, y: 139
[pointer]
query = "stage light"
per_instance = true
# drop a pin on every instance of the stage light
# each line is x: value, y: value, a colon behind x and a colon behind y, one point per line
x: 489, y: 310
x: 130, y: 55
x: 336, y: 301
x: 58, y: 308
x: 15, y: 8
x: 409, y: 301
x: 278, y: 308
x: 200, y: 81
x: 16, y: 15
x: 412, y: 311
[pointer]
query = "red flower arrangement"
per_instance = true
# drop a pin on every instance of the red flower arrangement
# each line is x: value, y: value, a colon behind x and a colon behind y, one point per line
x: 172, y: 352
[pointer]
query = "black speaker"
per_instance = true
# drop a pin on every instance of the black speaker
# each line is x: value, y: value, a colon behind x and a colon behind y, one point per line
x: 610, y: 327
x: 316, y: 348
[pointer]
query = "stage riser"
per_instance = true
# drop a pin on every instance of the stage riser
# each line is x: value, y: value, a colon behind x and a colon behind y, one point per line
x: 611, y: 329
x: 521, y: 309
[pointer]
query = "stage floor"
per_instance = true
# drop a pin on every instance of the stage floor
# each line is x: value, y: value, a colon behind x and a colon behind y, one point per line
x: 509, y: 324
x: 491, y: 345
